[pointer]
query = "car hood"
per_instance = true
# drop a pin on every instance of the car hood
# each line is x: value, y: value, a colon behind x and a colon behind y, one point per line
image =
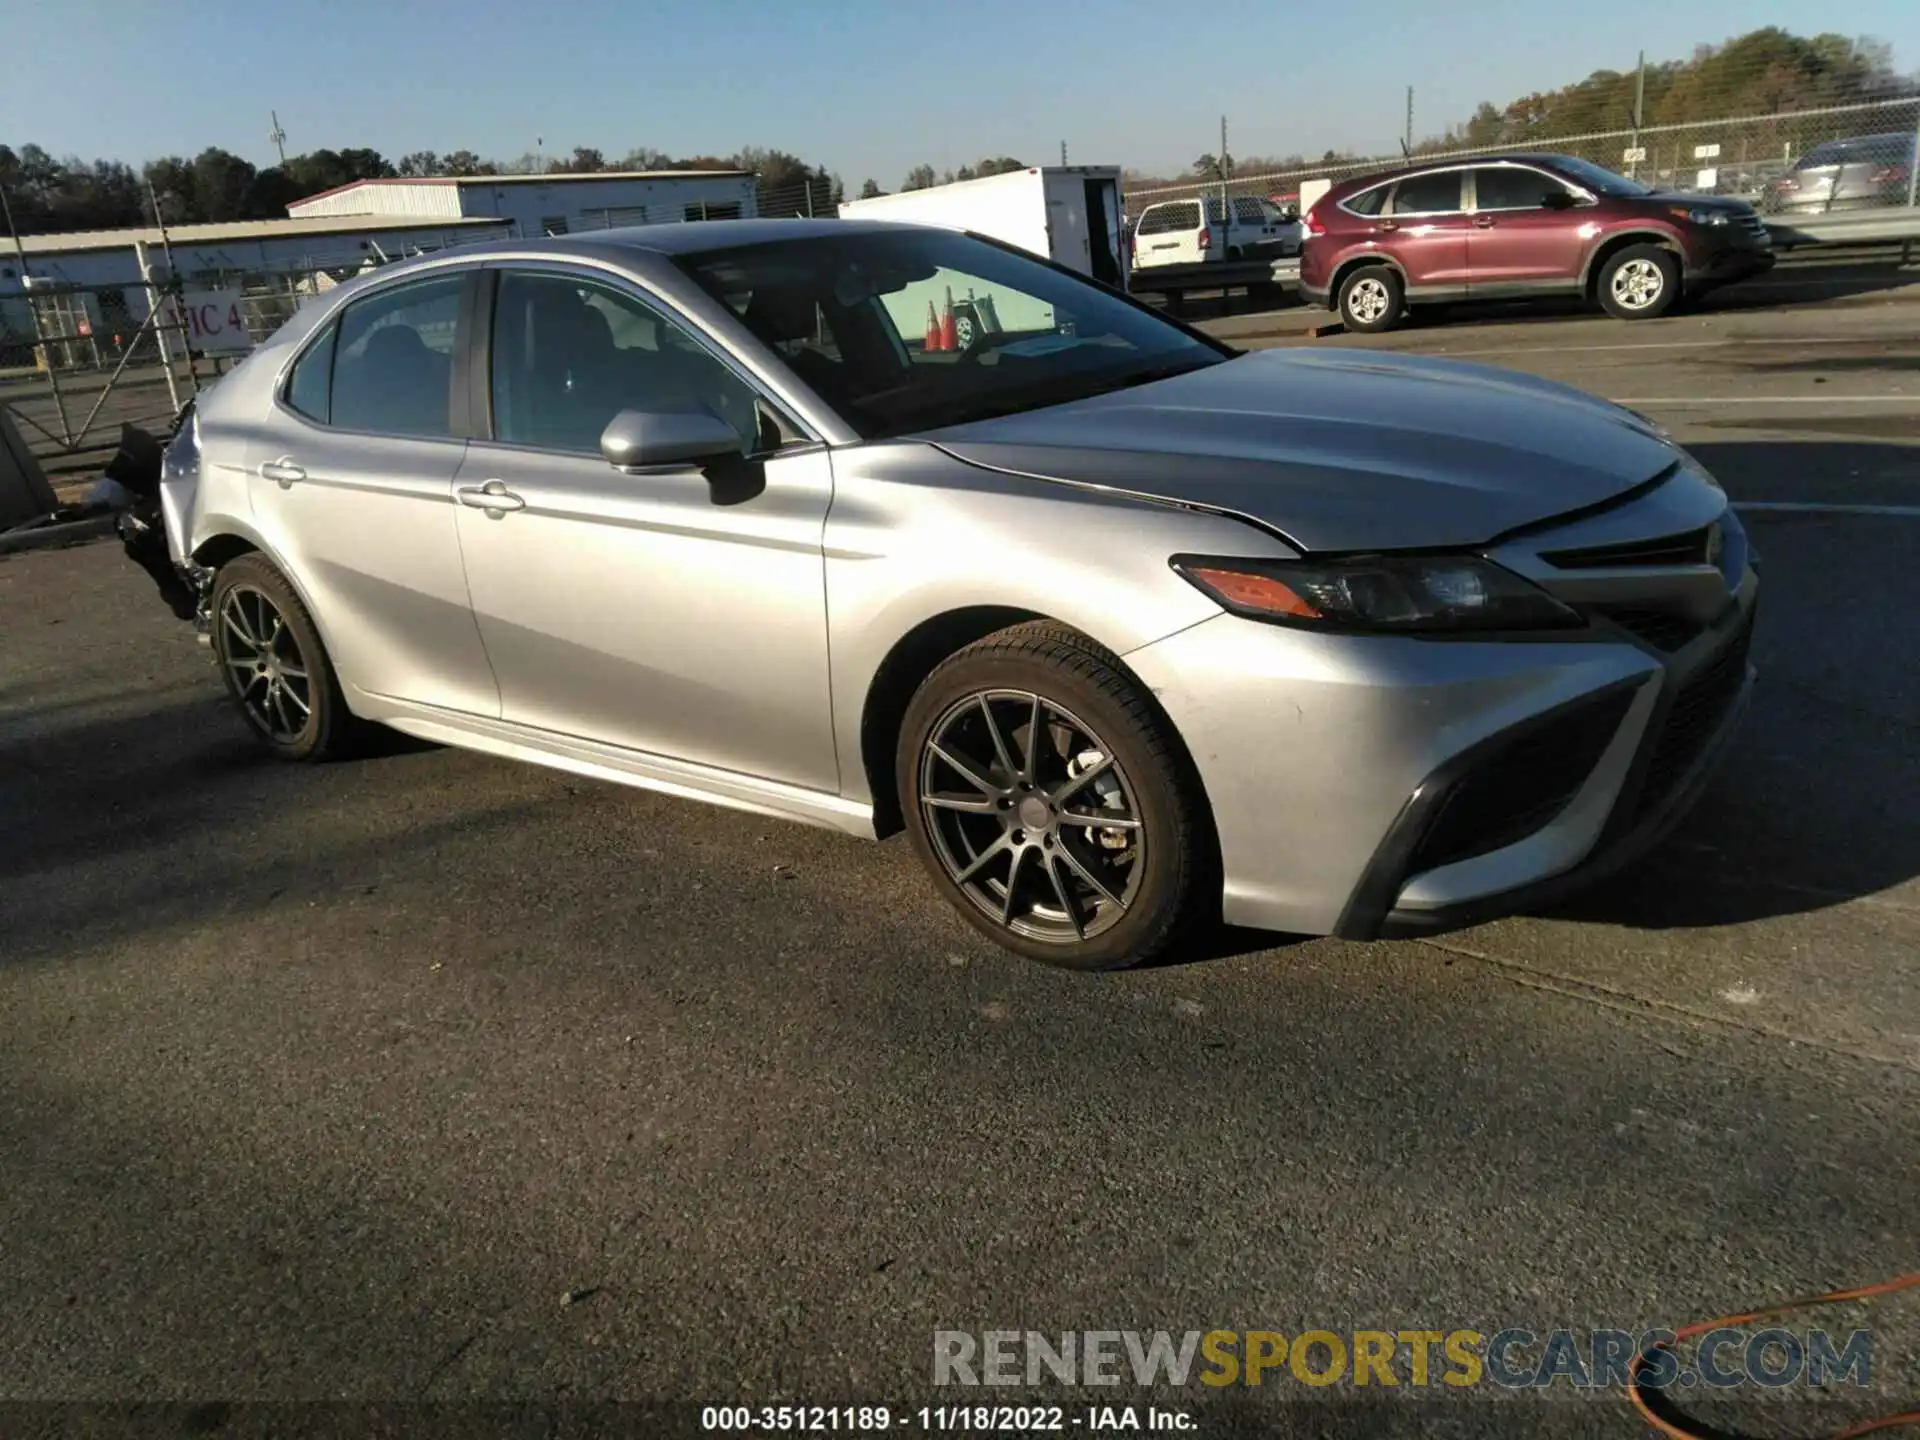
x: 1732, y: 205
x: 1338, y: 450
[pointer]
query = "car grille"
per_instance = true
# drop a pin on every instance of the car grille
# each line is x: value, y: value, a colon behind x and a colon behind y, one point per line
x: 1522, y: 786
x: 1695, y: 716
x: 1690, y: 547
x: 1756, y: 227
x: 1662, y: 629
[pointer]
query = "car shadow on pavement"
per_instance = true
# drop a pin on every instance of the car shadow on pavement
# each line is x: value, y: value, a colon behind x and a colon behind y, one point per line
x: 1818, y: 802
x: 1779, y: 289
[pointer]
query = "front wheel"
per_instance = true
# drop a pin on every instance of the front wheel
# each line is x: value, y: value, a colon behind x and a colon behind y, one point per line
x: 1639, y: 282
x: 1052, y: 803
x: 1371, y: 299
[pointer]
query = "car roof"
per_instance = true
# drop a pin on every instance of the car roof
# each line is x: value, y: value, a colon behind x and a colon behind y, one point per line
x: 641, y: 243
x: 1442, y: 162
x: 1849, y: 142
x: 685, y: 237
x: 641, y: 248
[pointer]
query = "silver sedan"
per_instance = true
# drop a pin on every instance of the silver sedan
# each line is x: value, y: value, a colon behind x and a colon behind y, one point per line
x: 879, y: 528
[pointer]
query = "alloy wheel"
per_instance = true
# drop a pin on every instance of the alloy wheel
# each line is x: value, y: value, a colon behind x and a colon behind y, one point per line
x: 1031, y: 816
x: 1368, y: 300
x: 265, y: 664
x: 1637, y: 284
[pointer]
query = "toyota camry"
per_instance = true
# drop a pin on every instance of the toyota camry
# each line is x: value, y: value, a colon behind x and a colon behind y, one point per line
x: 1128, y: 631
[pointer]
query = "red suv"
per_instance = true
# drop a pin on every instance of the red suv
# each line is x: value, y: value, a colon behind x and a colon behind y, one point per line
x: 1513, y: 226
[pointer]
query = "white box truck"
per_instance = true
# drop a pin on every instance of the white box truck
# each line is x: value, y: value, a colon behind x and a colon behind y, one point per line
x: 1069, y: 214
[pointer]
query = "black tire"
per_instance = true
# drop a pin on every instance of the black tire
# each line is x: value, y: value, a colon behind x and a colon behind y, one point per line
x: 1634, y: 272
x: 1158, y: 878
x: 280, y: 671
x: 1379, y: 295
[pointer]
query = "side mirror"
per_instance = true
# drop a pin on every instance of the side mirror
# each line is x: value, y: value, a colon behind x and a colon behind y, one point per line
x: 1559, y: 200
x: 638, y: 439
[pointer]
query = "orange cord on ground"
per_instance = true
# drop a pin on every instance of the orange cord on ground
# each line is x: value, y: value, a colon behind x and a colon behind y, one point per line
x: 1678, y: 1431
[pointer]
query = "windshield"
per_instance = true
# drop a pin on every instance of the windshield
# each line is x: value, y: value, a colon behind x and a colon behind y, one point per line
x: 911, y: 329
x: 1597, y: 178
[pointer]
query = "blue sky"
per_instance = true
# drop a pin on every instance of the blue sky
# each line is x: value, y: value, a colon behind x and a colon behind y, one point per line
x: 866, y: 87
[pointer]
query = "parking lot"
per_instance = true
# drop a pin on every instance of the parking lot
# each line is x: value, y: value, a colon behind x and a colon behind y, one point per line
x: 431, y: 1077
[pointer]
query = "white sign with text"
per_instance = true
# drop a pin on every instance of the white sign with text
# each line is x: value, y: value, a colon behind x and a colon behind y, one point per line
x: 215, y: 322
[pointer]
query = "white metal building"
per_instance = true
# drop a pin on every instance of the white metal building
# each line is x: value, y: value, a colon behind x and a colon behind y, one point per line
x: 548, y: 204
x: 97, y: 273
x: 109, y: 257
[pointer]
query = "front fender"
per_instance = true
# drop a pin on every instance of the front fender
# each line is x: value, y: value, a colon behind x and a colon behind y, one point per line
x: 1650, y: 232
x: 916, y: 534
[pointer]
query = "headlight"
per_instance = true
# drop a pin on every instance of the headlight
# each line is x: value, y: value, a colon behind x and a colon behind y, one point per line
x: 1395, y: 594
x: 1705, y: 217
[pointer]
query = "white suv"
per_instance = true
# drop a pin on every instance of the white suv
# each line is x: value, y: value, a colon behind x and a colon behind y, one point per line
x: 1173, y: 232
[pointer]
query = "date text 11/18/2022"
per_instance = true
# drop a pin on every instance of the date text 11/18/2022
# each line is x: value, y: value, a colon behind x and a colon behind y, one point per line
x: 948, y: 1419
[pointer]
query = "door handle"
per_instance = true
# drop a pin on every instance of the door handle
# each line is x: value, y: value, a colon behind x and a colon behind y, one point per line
x: 1485, y: 222
x: 1386, y: 225
x: 492, y: 497
x: 283, y: 472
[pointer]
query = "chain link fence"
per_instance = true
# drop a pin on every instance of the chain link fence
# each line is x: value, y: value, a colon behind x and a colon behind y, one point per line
x: 78, y: 361
x: 1834, y: 158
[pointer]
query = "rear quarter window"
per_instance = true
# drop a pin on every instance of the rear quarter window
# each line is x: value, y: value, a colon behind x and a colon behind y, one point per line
x: 310, y: 387
x: 1163, y: 219
x: 1367, y: 202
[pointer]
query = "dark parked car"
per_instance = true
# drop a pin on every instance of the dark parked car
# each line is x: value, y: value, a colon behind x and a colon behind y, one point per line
x: 1849, y: 174
x: 1520, y: 225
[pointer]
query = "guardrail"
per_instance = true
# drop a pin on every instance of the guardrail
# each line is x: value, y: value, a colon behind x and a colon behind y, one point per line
x: 1850, y: 227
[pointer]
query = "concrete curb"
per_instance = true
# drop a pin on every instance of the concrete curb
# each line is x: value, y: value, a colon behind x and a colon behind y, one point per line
x: 47, y: 537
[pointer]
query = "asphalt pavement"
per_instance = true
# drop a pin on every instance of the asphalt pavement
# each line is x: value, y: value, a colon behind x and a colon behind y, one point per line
x: 430, y: 1077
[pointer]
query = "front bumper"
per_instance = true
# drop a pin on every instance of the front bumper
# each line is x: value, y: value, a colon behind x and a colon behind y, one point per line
x: 1331, y: 762
x: 1722, y: 267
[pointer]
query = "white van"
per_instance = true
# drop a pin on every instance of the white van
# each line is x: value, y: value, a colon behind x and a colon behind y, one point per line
x: 1172, y: 232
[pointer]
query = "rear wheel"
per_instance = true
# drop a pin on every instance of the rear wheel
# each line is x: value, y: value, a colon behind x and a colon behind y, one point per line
x: 1639, y: 282
x: 1371, y: 299
x: 274, y: 665
x: 1051, y: 802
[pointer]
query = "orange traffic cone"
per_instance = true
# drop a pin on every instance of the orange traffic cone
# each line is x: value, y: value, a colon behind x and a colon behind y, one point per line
x: 949, y: 337
x: 932, y: 342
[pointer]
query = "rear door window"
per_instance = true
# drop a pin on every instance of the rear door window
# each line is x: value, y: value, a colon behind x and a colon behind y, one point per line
x: 1435, y: 194
x: 1512, y: 187
x: 393, y: 370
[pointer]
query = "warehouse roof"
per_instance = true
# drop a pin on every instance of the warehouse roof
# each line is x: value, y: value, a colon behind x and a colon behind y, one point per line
x: 240, y: 230
x: 551, y: 178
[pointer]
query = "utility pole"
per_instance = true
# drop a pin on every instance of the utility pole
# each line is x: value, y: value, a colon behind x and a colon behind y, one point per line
x: 1408, y: 146
x: 1063, y: 153
x: 1226, y: 173
x: 278, y: 138
x: 1639, y: 101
